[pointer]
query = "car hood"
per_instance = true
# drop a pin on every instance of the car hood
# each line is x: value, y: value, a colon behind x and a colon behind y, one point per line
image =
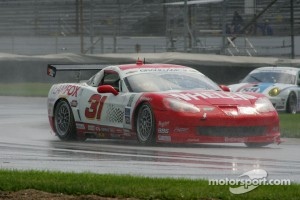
x: 258, y: 87
x: 207, y: 97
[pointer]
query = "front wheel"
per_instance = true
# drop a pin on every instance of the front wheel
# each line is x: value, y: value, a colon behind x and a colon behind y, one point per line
x: 291, y: 106
x: 64, y: 121
x: 145, y: 125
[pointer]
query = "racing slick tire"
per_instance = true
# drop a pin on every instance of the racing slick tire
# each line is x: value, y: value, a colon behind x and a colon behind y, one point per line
x: 291, y: 106
x: 256, y: 145
x: 145, y: 125
x: 64, y: 122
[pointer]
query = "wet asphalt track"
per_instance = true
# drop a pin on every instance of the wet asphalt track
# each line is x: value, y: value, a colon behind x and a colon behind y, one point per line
x: 26, y: 142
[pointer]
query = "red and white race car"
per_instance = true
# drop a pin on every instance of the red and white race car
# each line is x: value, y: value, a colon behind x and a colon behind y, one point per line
x: 159, y: 103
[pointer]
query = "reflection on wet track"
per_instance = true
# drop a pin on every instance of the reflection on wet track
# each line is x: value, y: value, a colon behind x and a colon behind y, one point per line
x: 26, y: 142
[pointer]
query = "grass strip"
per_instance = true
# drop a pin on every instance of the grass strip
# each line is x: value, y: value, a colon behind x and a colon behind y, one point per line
x: 25, y: 89
x: 289, y: 125
x: 125, y: 186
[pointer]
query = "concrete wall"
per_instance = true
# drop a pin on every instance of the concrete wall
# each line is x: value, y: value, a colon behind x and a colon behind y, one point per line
x: 221, y: 69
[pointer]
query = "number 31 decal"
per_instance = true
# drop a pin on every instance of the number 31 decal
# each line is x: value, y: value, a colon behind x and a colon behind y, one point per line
x: 96, y: 104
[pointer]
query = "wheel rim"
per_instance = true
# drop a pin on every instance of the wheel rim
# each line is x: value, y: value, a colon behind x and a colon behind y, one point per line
x: 62, y: 119
x: 144, y: 123
x: 292, y: 104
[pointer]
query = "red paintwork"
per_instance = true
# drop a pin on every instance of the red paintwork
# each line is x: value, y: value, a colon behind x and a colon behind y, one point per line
x: 218, y: 109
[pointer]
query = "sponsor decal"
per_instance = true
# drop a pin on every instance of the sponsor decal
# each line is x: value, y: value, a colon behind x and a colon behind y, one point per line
x: 145, y: 99
x: 165, y: 138
x: 181, y: 130
x: 250, y: 89
x: 127, y: 115
x: 127, y: 119
x: 58, y: 89
x: 163, y: 124
x: 104, y: 129
x: 91, y: 128
x: 259, y: 88
x: 127, y: 134
x: 130, y: 100
x: 213, y: 95
x: 162, y: 70
x: 116, y: 130
x: 97, y: 129
x: 127, y: 111
x: 163, y: 130
x: 70, y: 90
x: 131, y: 72
x: 126, y: 131
x: 80, y: 126
x: 74, y: 103
x: 119, y: 130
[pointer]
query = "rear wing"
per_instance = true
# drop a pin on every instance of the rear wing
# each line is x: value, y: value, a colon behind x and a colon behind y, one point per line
x: 53, y: 68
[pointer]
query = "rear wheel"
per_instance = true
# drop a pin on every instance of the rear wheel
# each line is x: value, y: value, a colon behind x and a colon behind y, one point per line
x: 291, y: 106
x: 145, y: 125
x: 64, y: 121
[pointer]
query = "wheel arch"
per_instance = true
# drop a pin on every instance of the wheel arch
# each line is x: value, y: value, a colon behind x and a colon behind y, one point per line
x: 53, y: 110
x: 135, y: 113
x: 153, y: 136
x: 136, y: 110
x: 56, y: 102
x: 288, y: 99
x: 71, y: 132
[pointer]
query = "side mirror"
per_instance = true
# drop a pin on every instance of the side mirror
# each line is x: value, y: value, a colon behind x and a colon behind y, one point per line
x: 224, y: 88
x: 107, y: 89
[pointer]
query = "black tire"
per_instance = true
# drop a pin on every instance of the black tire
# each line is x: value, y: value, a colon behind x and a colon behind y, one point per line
x: 64, y: 122
x: 256, y: 145
x: 145, y: 125
x: 291, y: 105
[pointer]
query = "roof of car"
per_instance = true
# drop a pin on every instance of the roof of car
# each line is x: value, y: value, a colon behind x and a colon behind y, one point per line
x: 145, y: 66
x: 140, y: 67
x: 292, y: 70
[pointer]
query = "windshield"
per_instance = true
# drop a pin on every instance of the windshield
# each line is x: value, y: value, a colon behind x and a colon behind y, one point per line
x: 154, y: 82
x: 270, y: 77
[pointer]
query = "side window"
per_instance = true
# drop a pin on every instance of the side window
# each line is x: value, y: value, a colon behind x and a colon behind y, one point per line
x: 111, y: 78
x: 95, y: 80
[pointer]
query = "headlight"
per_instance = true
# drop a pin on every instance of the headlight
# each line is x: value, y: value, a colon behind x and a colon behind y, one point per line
x: 264, y: 105
x: 274, y: 92
x: 180, y: 106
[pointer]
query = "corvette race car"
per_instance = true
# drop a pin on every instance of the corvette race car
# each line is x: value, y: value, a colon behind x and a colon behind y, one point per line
x: 280, y: 84
x: 162, y: 103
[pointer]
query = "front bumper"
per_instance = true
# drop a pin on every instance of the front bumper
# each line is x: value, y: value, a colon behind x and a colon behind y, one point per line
x: 216, y: 128
x: 274, y: 138
x: 278, y: 103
